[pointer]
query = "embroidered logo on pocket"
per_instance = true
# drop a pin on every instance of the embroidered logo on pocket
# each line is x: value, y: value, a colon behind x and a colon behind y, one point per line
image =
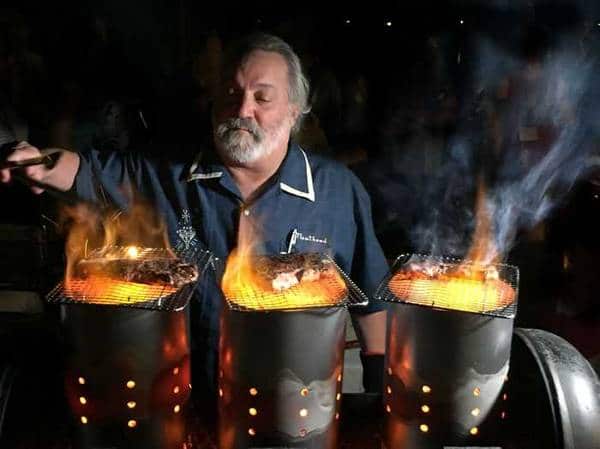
x: 296, y: 236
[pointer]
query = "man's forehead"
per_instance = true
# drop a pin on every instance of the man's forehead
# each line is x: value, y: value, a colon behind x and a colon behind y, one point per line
x: 261, y: 68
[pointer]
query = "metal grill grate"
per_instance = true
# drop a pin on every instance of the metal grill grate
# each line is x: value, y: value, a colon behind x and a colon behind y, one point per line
x: 336, y: 291
x: 441, y: 282
x: 103, y: 290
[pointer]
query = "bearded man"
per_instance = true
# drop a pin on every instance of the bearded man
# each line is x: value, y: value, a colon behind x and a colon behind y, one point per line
x: 255, y: 174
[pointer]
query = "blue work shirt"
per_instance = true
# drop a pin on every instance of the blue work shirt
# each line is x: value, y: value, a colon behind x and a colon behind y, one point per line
x: 311, y: 204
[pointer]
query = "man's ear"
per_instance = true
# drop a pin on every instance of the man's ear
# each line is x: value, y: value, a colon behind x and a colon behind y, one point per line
x: 294, y: 112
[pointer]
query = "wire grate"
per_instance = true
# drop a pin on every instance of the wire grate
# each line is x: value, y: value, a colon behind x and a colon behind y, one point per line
x: 452, y: 284
x: 335, y: 289
x: 105, y: 290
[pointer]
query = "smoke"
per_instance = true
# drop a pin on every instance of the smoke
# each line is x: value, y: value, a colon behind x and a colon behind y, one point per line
x: 564, y: 91
x: 528, y: 130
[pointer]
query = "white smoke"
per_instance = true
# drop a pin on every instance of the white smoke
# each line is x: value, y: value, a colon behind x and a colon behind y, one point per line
x: 557, y: 105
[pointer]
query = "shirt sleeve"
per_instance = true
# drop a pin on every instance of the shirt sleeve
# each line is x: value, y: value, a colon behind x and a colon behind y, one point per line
x: 107, y: 177
x: 369, y: 265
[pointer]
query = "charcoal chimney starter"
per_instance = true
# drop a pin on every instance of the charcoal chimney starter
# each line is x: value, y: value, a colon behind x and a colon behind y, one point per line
x: 127, y: 368
x: 449, y: 337
x: 280, y: 378
x: 281, y: 356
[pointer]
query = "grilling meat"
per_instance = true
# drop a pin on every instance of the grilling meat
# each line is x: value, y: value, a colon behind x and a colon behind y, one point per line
x: 286, y: 270
x: 445, y: 272
x: 158, y: 271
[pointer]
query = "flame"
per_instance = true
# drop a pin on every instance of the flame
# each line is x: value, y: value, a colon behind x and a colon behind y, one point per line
x: 89, y: 228
x: 483, y: 249
x: 132, y: 252
x: 455, y: 293
x: 244, y: 287
x: 473, y: 285
x: 100, y: 289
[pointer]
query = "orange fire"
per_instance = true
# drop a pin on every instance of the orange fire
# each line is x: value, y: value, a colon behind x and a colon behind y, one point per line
x: 94, y: 230
x: 472, y: 286
x: 102, y: 289
x: 242, y: 286
x: 483, y: 250
x: 245, y: 288
x: 455, y: 293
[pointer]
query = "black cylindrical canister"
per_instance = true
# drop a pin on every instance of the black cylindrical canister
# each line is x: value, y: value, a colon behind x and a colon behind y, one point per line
x: 127, y: 375
x: 280, y: 378
x: 445, y: 370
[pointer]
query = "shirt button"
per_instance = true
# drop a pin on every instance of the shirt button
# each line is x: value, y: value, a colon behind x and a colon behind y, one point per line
x: 246, y: 212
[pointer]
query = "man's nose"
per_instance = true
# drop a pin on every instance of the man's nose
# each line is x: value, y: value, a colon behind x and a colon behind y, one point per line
x: 245, y: 107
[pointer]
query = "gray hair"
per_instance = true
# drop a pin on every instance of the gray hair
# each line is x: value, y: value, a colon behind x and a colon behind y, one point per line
x: 299, y: 87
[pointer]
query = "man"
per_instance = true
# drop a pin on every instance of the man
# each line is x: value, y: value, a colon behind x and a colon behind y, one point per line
x: 303, y: 202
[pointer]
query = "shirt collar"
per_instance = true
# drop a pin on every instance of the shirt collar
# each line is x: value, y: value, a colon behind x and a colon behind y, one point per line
x: 295, y: 173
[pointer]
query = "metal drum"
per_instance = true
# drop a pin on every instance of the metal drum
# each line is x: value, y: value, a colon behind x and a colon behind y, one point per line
x: 127, y: 359
x: 280, y: 379
x: 444, y: 373
x: 127, y: 375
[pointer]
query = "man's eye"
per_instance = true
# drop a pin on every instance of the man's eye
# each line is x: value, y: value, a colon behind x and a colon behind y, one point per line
x: 263, y: 100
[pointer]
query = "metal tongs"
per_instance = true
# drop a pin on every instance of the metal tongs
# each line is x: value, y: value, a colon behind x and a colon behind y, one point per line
x: 48, y: 160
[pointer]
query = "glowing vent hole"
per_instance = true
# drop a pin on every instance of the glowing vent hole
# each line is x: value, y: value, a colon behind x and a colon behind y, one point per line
x: 175, y: 371
x: 131, y: 404
x: 426, y: 389
x: 253, y: 391
x: 303, y: 412
x: 251, y: 431
x: 83, y: 400
x: 304, y: 392
x: 389, y: 390
x: 252, y: 411
x: 388, y: 409
x: 339, y: 378
x: 177, y: 409
x: 131, y: 423
x: 220, y: 392
x: 475, y: 412
x: 81, y: 381
x: 338, y: 396
x: 130, y: 384
x: 474, y: 431
x: 176, y: 390
x: 424, y: 428
x: 425, y: 408
x: 476, y: 391
x: 504, y: 397
x: 84, y: 420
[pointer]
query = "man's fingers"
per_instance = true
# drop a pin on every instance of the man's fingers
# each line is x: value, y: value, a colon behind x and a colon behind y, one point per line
x: 22, y: 151
x: 4, y: 176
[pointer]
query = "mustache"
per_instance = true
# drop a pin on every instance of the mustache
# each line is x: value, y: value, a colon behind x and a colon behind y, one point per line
x: 234, y: 124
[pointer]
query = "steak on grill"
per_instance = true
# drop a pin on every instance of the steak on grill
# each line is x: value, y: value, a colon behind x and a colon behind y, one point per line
x: 161, y: 271
x: 286, y: 270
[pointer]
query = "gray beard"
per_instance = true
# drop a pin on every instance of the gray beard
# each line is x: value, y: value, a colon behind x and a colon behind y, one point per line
x: 241, y: 147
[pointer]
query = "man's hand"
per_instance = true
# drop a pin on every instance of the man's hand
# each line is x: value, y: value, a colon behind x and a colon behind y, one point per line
x: 60, y: 174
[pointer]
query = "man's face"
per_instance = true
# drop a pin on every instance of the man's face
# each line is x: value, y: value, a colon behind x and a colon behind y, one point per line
x: 253, y: 115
